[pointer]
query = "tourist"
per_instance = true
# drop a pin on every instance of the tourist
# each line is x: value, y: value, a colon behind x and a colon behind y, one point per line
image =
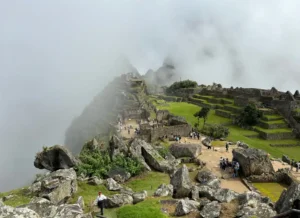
x: 221, y: 162
x: 128, y: 131
x: 227, y: 146
x: 292, y: 164
x: 198, y: 136
x: 236, y: 169
x: 191, y: 135
x: 298, y: 166
x: 100, y: 202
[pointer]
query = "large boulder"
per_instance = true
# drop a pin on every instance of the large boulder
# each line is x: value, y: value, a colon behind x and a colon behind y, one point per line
x: 42, y: 206
x: 117, y: 146
x: 206, y: 177
x: 206, y: 142
x: 58, y: 186
x: 55, y: 158
x: 185, y: 206
x: 225, y: 195
x: 112, y: 185
x: 119, y: 200
x: 71, y: 211
x: 149, y: 156
x: 288, y: 198
x: 10, y: 212
x: 181, y: 183
x: 253, y: 161
x: 94, y: 180
x: 211, y: 210
x: 119, y: 174
x: 164, y: 190
x: 139, y: 196
x: 185, y: 150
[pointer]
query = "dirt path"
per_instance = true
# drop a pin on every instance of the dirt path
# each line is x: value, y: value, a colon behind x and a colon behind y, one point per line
x: 129, y: 123
x: 279, y: 165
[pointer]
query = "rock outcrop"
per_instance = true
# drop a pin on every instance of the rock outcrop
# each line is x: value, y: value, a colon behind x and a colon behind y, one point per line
x: 112, y: 185
x: 185, y: 150
x: 94, y: 180
x: 185, y: 206
x: 148, y: 156
x: 117, y: 146
x: 42, y: 206
x: 139, y: 196
x: 253, y: 161
x: 181, y: 183
x: 164, y: 190
x: 211, y: 210
x: 206, y: 142
x: 57, y: 186
x: 55, y: 158
x: 7, y: 212
x: 214, y: 194
x: 206, y: 177
x: 288, y: 198
x: 119, y: 200
x: 119, y: 175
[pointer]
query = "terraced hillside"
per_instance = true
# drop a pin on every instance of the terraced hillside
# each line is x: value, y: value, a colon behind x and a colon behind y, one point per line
x: 272, y: 134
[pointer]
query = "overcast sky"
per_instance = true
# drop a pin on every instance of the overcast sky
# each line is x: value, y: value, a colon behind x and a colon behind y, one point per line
x: 55, y: 56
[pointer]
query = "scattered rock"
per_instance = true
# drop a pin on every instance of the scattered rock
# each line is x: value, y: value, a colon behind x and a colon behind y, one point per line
x: 253, y: 161
x: 126, y: 190
x: 185, y: 206
x: 119, y: 175
x: 181, y: 183
x: 164, y: 190
x: 42, y: 206
x: 225, y: 195
x: 80, y: 201
x: 206, y: 177
x: 112, y: 185
x: 139, y: 196
x: 117, y: 146
x: 95, y: 181
x: 242, y: 145
x: 72, y: 211
x: 286, y: 159
x: 7, y: 211
x: 206, y: 142
x: 35, y: 187
x: 256, y: 210
x: 58, y: 186
x: 211, y: 210
x: 185, y: 150
x: 206, y: 192
x: 7, y: 197
x: 119, y: 200
x: 288, y: 198
x: 55, y: 158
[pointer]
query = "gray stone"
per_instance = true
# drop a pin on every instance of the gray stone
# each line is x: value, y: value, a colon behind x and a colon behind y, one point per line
x: 71, y: 211
x: 256, y: 210
x: 59, y: 186
x: 80, y: 202
x: 117, y: 146
x: 185, y: 206
x: 7, y: 197
x: 126, y: 190
x: 95, y: 181
x: 206, y: 177
x: 253, y: 161
x: 35, y: 187
x: 112, y: 185
x: 119, y: 200
x: 164, y: 190
x: 55, y: 158
x: 177, y: 120
x: 185, y: 150
x: 1, y: 203
x: 206, y: 142
x: 211, y: 210
x: 288, y: 198
x: 119, y: 175
x: 225, y: 195
x: 10, y: 212
x: 149, y: 156
x: 181, y: 183
x: 214, y: 183
x: 286, y: 159
x: 242, y: 145
x: 206, y: 192
x: 139, y: 196
x: 42, y: 206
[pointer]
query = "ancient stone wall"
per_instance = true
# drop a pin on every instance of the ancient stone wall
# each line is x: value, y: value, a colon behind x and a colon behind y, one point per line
x: 160, y: 131
x: 250, y: 93
x: 162, y: 115
x: 272, y: 125
x: 276, y: 136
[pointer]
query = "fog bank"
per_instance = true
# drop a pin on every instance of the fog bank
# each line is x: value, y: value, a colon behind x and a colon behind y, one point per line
x: 55, y: 56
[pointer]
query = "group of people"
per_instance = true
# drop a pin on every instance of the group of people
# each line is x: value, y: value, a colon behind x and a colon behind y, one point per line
x: 295, y: 163
x: 195, y: 135
x: 234, y: 166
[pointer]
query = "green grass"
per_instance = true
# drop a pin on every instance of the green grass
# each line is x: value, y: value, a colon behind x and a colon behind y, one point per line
x: 148, y: 181
x: 238, y: 134
x: 218, y: 143
x: 149, y: 208
x: 21, y: 196
x: 187, y: 111
x: 274, y: 116
x: 274, y: 121
x: 273, y: 130
x: 271, y: 190
x: 297, y: 110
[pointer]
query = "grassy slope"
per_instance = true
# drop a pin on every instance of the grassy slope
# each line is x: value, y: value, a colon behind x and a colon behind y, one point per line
x: 236, y: 133
x: 271, y: 190
x: 21, y: 196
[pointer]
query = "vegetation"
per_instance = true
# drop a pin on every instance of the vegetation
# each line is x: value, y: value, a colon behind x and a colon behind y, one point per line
x: 271, y: 190
x: 181, y: 85
x: 249, y: 116
x: 98, y: 163
x: 216, y: 131
x: 20, y: 196
x: 147, y: 209
x: 203, y: 113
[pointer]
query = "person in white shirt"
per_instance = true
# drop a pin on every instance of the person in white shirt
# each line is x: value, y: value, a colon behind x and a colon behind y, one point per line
x: 100, y: 201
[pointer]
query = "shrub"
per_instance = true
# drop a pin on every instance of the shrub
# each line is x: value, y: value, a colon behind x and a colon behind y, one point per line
x: 249, y: 116
x: 216, y: 131
x: 98, y: 163
x: 181, y: 85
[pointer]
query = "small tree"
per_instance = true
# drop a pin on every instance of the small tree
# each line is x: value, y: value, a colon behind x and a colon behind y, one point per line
x: 203, y: 113
x: 249, y: 116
